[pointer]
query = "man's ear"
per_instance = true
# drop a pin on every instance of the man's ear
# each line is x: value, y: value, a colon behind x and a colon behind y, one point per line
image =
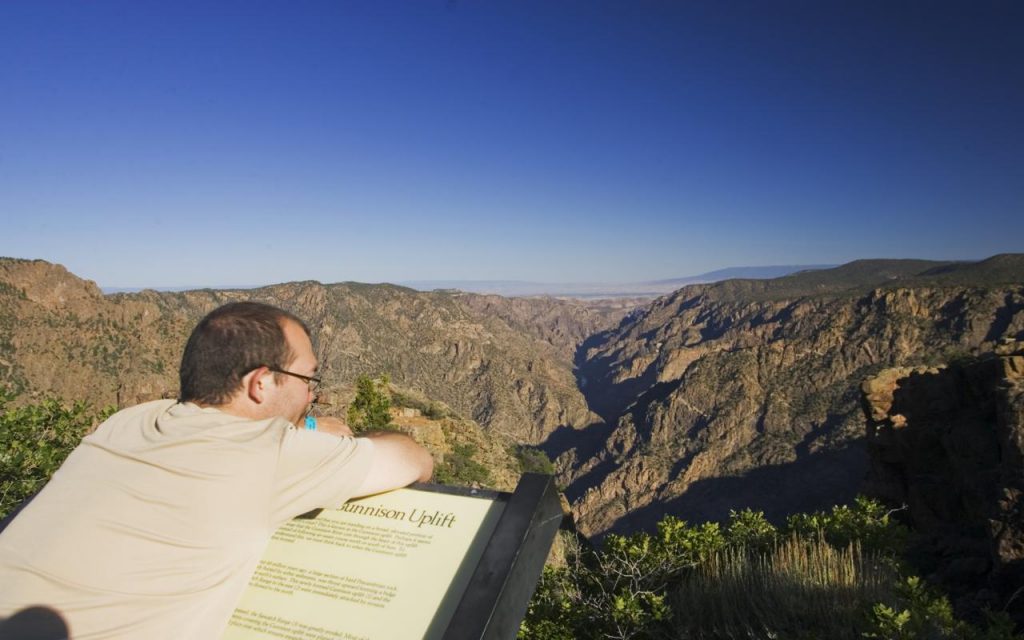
x: 255, y: 384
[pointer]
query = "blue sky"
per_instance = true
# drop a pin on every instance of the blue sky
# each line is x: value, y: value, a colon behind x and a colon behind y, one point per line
x: 215, y: 143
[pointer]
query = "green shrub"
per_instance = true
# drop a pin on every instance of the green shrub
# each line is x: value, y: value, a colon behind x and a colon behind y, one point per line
x: 866, y: 521
x: 750, y: 530
x: 436, y: 411
x: 918, y: 612
x: 429, y: 408
x: 533, y: 460
x: 34, y: 441
x: 371, y: 408
x: 829, y: 575
x: 619, y: 591
x: 460, y: 467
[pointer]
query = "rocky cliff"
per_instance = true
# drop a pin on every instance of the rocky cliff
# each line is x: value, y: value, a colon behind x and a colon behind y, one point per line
x: 564, y: 324
x: 59, y: 334
x: 745, y: 393
x: 948, y: 442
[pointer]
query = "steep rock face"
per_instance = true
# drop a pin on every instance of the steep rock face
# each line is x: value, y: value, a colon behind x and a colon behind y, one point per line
x: 50, y: 286
x: 442, y: 436
x: 564, y: 324
x: 949, y: 443
x: 744, y: 394
x: 60, y: 335
x: 434, y: 343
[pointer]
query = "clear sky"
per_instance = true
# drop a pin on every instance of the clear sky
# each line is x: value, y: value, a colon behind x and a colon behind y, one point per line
x: 215, y: 143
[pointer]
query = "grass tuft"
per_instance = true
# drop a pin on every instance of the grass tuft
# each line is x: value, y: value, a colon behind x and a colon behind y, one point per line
x: 801, y: 588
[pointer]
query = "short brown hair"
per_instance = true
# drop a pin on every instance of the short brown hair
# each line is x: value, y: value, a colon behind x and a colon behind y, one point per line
x: 228, y: 343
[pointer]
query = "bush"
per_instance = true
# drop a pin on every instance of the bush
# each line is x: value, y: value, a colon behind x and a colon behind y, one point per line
x: 370, y: 409
x: 750, y: 530
x: 429, y: 408
x: 825, y: 575
x: 436, y: 411
x: 34, y: 441
x: 866, y: 521
x: 533, y: 460
x: 620, y: 591
x: 919, y: 613
x: 460, y: 467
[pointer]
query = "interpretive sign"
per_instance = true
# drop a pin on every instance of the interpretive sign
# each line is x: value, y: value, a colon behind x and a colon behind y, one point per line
x: 425, y: 562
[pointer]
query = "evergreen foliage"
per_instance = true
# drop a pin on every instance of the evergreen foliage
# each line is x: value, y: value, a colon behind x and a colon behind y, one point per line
x: 370, y: 409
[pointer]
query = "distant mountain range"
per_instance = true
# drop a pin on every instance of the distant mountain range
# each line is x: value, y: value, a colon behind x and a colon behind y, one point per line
x: 649, y: 288
x: 219, y: 287
x: 522, y: 288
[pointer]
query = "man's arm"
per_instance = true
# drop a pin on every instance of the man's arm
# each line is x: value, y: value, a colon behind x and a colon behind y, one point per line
x: 398, y: 461
x: 333, y: 426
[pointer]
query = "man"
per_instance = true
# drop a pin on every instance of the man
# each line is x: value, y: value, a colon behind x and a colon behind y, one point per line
x: 154, y: 524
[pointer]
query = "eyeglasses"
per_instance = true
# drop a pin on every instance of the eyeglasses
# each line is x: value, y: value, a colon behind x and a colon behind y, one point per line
x: 310, y: 380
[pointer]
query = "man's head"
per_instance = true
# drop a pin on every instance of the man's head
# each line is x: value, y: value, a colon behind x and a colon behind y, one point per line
x: 241, y: 344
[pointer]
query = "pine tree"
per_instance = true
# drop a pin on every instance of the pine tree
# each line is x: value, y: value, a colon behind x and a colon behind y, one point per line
x: 370, y: 408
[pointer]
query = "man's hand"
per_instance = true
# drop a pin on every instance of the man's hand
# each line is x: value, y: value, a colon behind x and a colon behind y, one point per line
x: 333, y: 426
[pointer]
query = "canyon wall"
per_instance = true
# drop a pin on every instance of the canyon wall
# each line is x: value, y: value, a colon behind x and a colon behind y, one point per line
x: 948, y: 442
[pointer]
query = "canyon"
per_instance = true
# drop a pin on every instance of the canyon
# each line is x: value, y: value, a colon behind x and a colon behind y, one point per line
x: 718, y: 396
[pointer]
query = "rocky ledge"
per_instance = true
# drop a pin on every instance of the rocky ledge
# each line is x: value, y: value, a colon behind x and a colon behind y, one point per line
x: 948, y: 442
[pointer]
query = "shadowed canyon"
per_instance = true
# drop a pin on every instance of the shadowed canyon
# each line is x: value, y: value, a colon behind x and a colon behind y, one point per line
x: 740, y: 393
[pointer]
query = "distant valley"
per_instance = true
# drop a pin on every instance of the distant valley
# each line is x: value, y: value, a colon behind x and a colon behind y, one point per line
x: 711, y: 397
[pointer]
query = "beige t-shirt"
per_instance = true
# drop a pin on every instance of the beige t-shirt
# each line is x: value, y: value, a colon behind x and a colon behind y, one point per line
x: 154, y: 524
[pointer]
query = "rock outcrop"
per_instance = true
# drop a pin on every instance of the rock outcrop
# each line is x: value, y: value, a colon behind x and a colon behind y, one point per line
x: 948, y: 442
